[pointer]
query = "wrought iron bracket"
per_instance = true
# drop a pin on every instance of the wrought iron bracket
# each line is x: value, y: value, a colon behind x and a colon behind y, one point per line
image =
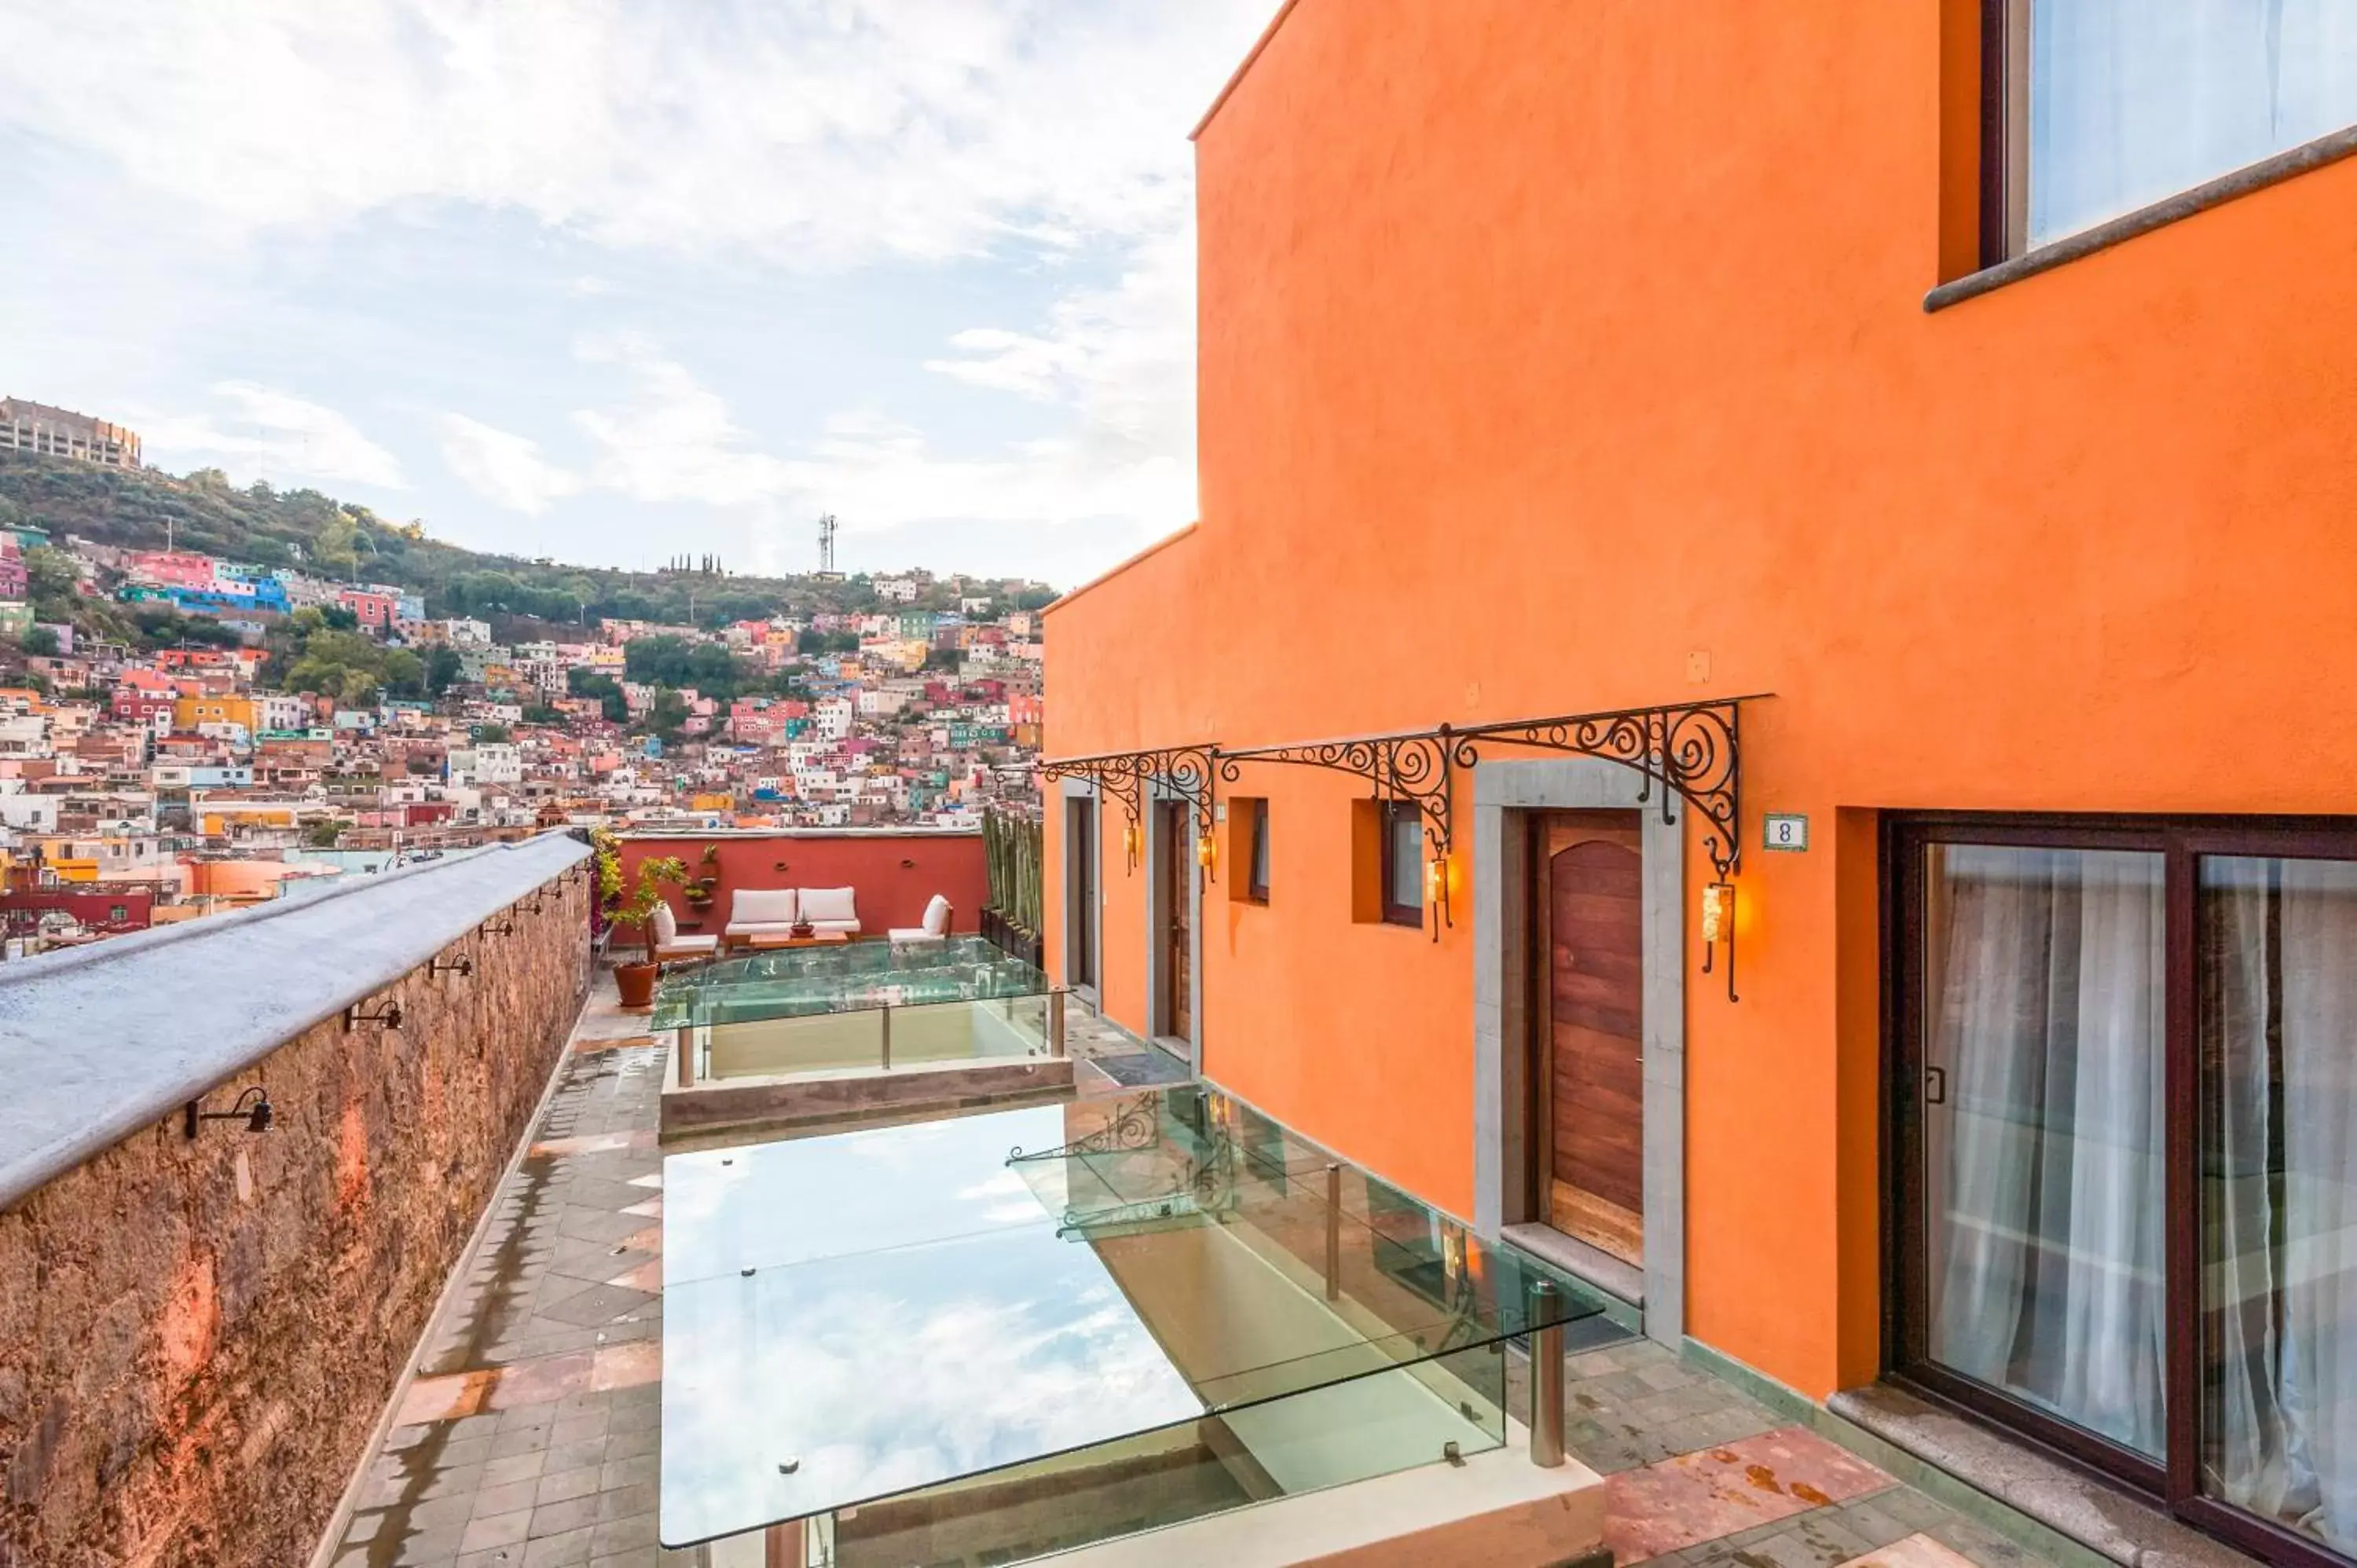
x: 1131, y: 777
x: 1417, y: 766
x: 1134, y: 1128
x: 1689, y: 748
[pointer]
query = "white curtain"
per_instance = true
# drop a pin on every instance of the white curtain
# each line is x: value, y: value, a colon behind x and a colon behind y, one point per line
x: 2132, y: 101
x: 2046, y: 1185
x: 2282, y: 1279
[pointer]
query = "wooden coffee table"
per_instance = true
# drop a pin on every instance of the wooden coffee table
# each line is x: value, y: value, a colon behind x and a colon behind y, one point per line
x: 816, y: 939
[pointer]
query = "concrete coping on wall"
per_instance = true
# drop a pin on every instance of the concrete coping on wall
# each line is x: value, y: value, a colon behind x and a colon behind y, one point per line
x: 99, y: 1041
x: 634, y: 834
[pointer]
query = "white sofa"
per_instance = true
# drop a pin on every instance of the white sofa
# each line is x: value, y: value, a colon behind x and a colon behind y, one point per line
x: 936, y: 926
x: 775, y: 911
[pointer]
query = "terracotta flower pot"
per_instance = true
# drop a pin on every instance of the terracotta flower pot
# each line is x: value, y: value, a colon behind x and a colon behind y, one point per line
x: 635, y: 982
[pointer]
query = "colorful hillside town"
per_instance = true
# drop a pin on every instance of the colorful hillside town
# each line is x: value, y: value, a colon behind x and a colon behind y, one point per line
x: 305, y: 729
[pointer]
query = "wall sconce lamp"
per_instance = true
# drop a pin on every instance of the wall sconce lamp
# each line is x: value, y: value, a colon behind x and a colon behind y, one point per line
x: 462, y: 964
x: 1129, y: 841
x: 257, y: 1117
x: 907, y: 865
x: 389, y: 1016
x: 503, y: 926
x: 1436, y: 893
x: 1207, y: 853
x: 780, y: 866
x: 1719, y: 928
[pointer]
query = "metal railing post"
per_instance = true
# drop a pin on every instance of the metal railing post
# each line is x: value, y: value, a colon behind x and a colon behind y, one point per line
x: 887, y: 1010
x: 1055, y: 1022
x: 1547, y: 1376
x: 682, y: 1049
x: 1333, y: 1232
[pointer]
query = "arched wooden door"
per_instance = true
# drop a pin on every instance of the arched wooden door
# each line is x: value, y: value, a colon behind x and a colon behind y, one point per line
x: 1592, y: 1116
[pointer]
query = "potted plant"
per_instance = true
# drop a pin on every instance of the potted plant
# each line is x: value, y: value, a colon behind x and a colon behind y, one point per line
x: 637, y: 980
x: 605, y: 856
x: 699, y: 892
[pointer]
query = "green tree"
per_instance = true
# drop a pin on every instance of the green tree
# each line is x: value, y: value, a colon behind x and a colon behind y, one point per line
x: 442, y: 668
x: 404, y: 673
x: 667, y: 714
x: 41, y: 639
x: 490, y: 734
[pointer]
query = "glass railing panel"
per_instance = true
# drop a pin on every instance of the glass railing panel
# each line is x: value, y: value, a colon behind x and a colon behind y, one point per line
x: 765, y: 1205
x: 801, y: 981
x: 1016, y: 1259
x: 784, y: 1047
x: 1327, y: 1436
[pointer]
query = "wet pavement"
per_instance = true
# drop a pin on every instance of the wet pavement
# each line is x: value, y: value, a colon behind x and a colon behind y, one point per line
x: 530, y: 1436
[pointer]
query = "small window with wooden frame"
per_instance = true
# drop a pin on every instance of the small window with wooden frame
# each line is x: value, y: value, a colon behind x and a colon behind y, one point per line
x: 1248, y: 847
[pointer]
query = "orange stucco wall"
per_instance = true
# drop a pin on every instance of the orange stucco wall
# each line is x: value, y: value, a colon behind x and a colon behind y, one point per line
x: 1559, y: 356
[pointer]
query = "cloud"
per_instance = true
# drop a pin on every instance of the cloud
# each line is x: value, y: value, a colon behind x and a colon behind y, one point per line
x: 256, y: 432
x: 672, y: 438
x: 812, y: 131
x: 505, y: 468
x: 610, y: 141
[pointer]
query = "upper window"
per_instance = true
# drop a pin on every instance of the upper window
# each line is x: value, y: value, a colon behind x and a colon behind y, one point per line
x: 1402, y: 823
x: 2111, y: 105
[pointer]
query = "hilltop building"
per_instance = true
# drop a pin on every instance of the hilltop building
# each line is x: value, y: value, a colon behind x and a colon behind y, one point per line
x: 27, y: 427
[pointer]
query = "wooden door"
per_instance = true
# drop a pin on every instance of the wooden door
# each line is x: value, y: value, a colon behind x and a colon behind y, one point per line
x: 1589, y: 922
x: 1081, y: 877
x: 1177, y: 919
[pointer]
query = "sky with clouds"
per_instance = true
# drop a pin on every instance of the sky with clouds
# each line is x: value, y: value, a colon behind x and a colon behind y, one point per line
x: 614, y: 281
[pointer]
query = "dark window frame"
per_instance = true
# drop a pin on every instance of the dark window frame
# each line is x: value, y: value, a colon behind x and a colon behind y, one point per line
x: 1390, y: 813
x: 2175, y: 1482
x: 1257, y: 867
x: 2004, y: 173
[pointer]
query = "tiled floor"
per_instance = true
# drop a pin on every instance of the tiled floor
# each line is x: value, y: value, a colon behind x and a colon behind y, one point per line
x: 531, y: 1436
x: 1697, y: 1472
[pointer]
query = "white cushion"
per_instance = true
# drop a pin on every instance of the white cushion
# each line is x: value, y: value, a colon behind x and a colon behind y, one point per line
x: 760, y: 927
x: 937, y: 917
x: 762, y: 906
x: 665, y: 925
x: 912, y: 934
x: 822, y: 906
x: 684, y: 945
x: 848, y: 928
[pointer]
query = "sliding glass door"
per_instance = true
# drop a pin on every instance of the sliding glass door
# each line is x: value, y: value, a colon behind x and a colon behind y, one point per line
x: 2126, y: 1172
x: 2278, y: 1062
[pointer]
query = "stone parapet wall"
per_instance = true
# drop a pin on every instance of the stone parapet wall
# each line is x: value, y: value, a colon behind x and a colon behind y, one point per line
x: 197, y: 1338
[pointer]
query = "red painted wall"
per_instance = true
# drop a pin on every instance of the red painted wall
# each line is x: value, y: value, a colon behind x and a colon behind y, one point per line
x: 893, y: 874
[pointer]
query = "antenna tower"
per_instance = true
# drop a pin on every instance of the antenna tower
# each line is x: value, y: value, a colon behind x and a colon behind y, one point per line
x: 827, y: 543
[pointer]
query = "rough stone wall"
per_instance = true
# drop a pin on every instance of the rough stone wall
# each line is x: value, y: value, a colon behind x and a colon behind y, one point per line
x: 197, y: 1338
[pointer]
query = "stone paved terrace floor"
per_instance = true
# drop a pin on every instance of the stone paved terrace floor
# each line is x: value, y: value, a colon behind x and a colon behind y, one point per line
x: 530, y: 1436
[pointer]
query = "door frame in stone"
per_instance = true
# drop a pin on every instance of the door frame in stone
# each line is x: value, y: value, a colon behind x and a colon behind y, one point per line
x: 1507, y: 797
x: 1082, y: 789
x: 1158, y: 790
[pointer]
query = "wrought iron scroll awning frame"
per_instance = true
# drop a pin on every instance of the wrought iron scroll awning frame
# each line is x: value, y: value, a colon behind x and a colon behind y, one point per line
x: 1130, y: 777
x: 1691, y: 749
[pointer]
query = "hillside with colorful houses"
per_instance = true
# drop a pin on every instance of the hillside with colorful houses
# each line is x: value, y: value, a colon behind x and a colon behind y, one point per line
x: 182, y: 733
